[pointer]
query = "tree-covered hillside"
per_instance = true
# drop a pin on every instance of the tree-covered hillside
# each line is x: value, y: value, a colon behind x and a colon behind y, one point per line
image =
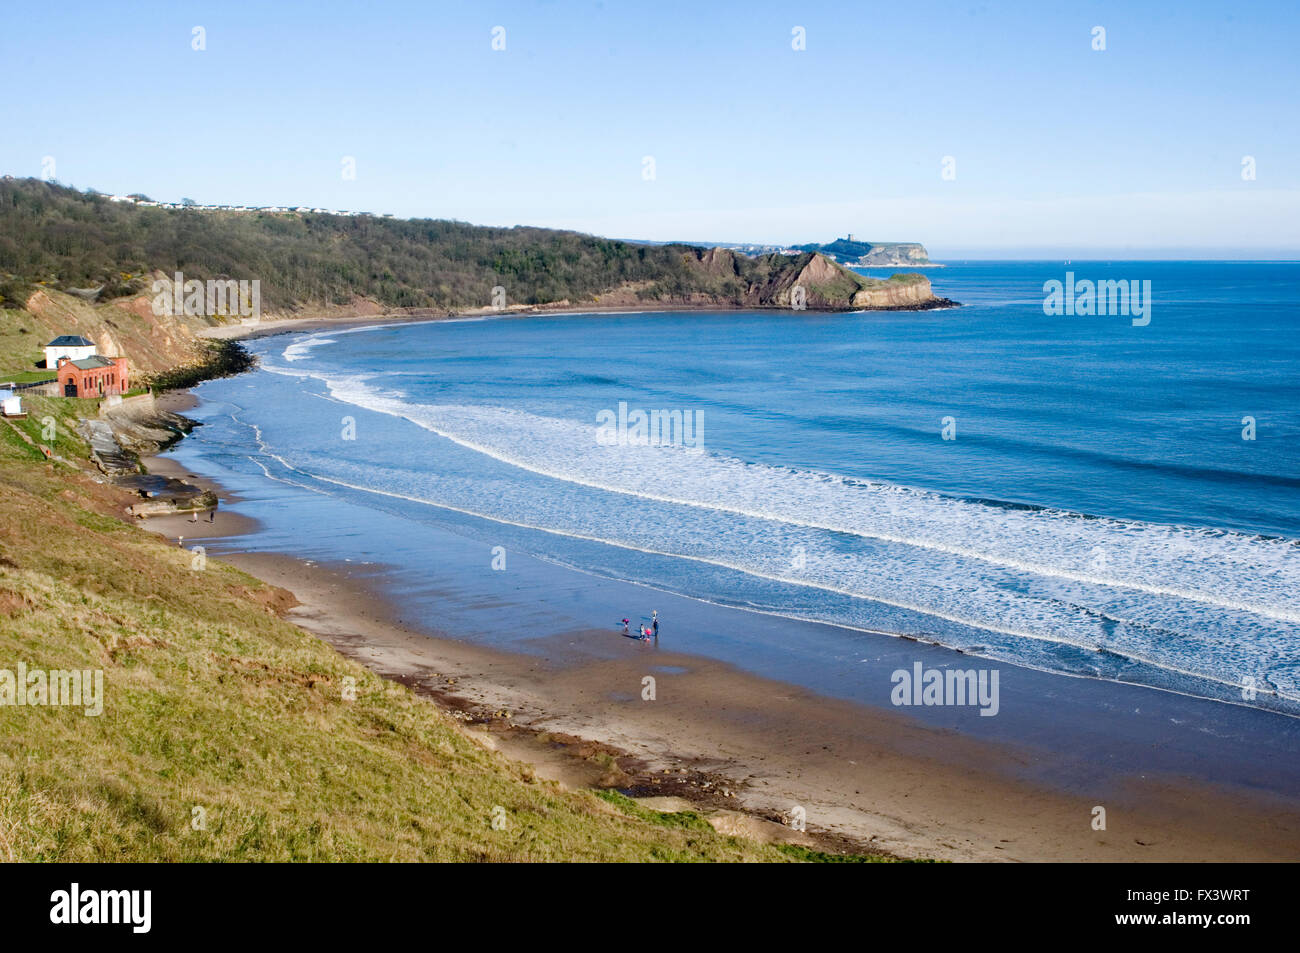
x: 74, y: 240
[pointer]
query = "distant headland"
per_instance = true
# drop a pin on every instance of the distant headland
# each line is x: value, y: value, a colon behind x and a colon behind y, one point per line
x: 853, y: 253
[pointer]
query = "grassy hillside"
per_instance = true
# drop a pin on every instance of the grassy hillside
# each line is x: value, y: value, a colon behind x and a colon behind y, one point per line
x: 78, y: 242
x: 212, y: 701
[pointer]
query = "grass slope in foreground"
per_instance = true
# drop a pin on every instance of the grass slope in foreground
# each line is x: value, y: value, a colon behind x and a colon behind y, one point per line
x: 211, y: 700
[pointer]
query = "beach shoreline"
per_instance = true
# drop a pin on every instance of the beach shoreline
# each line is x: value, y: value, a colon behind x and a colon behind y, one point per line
x: 289, y: 325
x: 755, y: 749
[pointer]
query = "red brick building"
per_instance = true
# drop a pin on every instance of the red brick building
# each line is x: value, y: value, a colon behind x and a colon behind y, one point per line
x: 94, y: 376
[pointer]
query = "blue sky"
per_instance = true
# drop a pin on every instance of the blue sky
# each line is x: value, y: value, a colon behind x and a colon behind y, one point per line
x: 1058, y: 148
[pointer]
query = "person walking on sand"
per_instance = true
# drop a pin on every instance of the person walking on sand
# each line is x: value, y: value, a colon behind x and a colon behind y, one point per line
x: 654, y: 622
x: 625, y: 622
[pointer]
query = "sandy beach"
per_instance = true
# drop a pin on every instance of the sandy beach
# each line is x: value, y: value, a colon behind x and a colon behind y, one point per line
x: 758, y: 750
x: 284, y: 325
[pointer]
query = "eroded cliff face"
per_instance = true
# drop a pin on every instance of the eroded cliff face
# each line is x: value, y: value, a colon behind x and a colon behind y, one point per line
x: 891, y: 294
x: 890, y: 254
x: 124, y: 327
x: 720, y: 261
x: 824, y: 284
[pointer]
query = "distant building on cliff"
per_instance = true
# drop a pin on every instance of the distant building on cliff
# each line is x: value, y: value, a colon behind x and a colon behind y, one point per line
x: 94, y: 376
x: 72, y: 346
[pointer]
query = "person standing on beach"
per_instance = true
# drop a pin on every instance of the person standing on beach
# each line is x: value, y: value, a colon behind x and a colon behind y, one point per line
x: 654, y: 622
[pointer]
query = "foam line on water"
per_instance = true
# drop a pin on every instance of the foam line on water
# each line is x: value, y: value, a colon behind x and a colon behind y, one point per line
x: 1269, y: 568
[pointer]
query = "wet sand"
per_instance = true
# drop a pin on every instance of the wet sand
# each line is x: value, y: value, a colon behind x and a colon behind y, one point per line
x: 224, y: 521
x: 872, y: 777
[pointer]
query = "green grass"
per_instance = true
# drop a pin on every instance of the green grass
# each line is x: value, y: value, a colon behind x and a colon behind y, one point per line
x: 902, y: 278
x: 685, y: 820
x: 21, y: 343
x: 52, y: 421
x: 691, y: 820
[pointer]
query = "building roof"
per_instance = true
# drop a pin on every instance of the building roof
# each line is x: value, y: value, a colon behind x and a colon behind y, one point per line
x: 70, y: 340
x: 92, y: 362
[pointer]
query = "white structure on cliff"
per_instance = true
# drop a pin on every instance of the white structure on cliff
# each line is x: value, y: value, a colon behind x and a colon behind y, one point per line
x: 72, y: 346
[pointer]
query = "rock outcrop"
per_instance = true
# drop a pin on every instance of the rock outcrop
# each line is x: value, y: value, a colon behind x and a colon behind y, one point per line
x: 105, y: 451
x: 899, y: 296
x: 141, y: 427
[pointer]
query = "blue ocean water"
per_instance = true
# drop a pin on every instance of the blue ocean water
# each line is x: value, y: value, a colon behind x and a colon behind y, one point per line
x: 1097, y: 511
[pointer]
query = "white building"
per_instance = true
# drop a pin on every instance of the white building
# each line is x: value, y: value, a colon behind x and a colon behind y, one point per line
x: 72, y: 346
x: 11, y: 405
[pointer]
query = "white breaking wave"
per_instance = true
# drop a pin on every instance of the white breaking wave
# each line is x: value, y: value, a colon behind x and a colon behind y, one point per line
x: 298, y: 350
x: 1223, y: 568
